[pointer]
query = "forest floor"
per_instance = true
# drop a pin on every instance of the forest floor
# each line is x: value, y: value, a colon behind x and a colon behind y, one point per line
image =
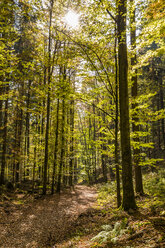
x: 73, y: 218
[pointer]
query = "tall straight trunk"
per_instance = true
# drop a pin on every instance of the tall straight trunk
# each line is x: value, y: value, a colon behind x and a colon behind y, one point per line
x: 1, y: 109
x: 34, y: 168
x: 65, y: 167
x: 1, y: 114
x: 158, y: 122
x: 62, y: 148
x: 86, y: 155
x: 128, y: 191
x: 103, y: 156
x: 48, y: 105
x: 116, y: 130
x: 135, y: 119
x: 18, y: 143
x: 71, y: 161
x: 18, y: 135
x: 55, y: 147
x: 41, y: 167
x: 27, y: 130
x: 94, y: 147
x: 162, y: 105
x: 4, y: 145
x: 103, y: 163
x: 75, y: 170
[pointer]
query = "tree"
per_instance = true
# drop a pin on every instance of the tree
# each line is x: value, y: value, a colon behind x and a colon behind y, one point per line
x: 134, y: 90
x: 48, y: 102
x: 128, y: 191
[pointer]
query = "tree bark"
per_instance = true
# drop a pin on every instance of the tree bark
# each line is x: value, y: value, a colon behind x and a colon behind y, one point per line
x: 116, y: 131
x: 135, y: 119
x: 128, y: 192
x: 62, y: 148
x: 162, y: 105
x: 4, y: 145
x: 55, y: 147
x: 48, y: 106
x: 94, y: 146
x: 27, y: 130
x: 71, y: 161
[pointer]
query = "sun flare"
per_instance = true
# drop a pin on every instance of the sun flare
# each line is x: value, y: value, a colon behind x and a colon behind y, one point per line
x: 72, y: 19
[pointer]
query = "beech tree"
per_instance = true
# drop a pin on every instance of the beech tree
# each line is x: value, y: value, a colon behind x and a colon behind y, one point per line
x: 134, y: 91
x: 128, y: 191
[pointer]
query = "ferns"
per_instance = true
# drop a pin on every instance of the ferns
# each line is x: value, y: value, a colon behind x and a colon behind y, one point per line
x: 111, y: 234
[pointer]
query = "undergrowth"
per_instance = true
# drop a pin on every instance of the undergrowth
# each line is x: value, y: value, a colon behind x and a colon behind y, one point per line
x: 152, y: 204
x: 112, y: 234
x: 154, y: 183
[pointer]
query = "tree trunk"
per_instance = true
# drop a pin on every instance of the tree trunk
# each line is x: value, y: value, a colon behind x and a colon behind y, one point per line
x: 55, y: 147
x: 62, y: 148
x: 19, y: 126
x: 103, y: 156
x: 34, y: 168
x: 135, y: 119
x: 27, y: 130
x: 1, y: 110
x: 116, y: 131
x: 4, y: 146
x: 48, y: 106
x: 94, y: 146
x: 128, y: 192
x: 162, y: 105
x: 71, y: 160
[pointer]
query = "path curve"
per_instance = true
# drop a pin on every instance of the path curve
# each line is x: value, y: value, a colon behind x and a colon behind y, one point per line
x: 44, y: 220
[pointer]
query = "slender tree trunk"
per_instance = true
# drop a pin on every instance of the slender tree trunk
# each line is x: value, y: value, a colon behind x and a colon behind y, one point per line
x: 103, y: 163
x: 71, y: 160
x: 135, y: 119
x: 55, y: 147
x: 1, y: 110
x: 75, y: 170
x: 18, y: 144
x: 41, y: 168
x: 27, y: 130
x: 103, y: 156
x: 86, y: 155
x: 116, y: 131
x: 162, y: 106
x: 62, y: 148
x: 94, y: 147
x: 34, y: 168
x: 48, y: 106
x: 18, y: 135
x: 128, y: 192
x: 4, y: 146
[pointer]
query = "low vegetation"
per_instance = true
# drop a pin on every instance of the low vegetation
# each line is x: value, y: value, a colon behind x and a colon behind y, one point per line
x: 107, y: 226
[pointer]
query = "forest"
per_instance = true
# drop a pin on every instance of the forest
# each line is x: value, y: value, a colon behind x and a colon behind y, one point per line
x: 82, y: 132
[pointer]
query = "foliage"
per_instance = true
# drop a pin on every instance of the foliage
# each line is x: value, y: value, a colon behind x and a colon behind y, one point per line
x: 154, y: 183
x: 106, y: 193
x: 112, y: 234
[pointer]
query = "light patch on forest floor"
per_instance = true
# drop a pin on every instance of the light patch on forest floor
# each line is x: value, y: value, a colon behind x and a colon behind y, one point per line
x: 42, y: 222
x: 75, y: 217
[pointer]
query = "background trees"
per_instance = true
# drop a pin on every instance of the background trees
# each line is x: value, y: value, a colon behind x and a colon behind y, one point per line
x: 60, y: 94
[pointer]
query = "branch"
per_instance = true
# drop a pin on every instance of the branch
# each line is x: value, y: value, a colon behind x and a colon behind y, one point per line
x: 109, y: 12
x: 105, y: 112
x: 82, y: 46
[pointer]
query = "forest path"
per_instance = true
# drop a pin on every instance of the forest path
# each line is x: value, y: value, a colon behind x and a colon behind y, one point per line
x: 50, y: 218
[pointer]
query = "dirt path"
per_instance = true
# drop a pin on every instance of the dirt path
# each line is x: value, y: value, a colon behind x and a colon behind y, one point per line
x: 44, y: 221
